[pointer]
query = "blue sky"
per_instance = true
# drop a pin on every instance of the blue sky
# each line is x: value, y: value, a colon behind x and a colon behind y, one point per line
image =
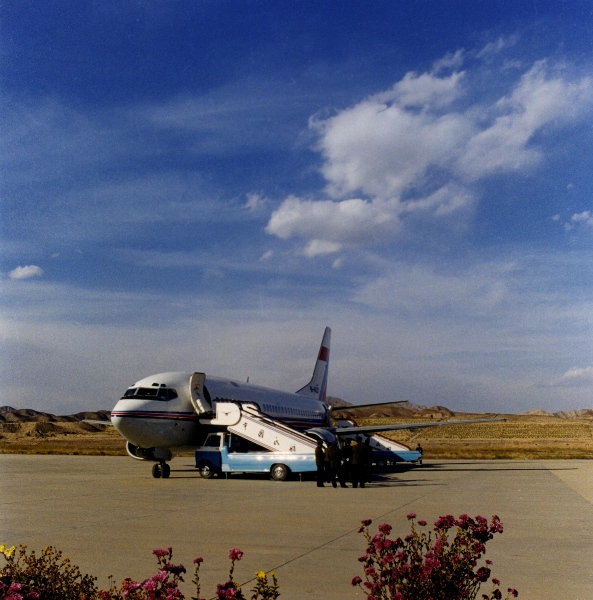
x: 206, y: 185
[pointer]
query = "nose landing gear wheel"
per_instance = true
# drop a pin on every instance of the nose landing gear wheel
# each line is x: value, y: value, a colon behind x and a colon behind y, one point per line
x: 161, y: 470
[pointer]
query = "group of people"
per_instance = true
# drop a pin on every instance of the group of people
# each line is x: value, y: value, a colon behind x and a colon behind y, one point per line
x: 351, y: 462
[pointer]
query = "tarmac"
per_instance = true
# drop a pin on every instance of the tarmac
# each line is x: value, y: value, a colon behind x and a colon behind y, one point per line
x: 107, y: 514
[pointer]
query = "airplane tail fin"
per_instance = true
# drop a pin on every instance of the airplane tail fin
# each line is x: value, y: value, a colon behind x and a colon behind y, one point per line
x: 317, y: 387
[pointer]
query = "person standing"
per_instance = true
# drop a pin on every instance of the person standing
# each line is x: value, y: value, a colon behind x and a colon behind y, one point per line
x: 320, y: 463
x: 367, y: 455
x: 357, y: 463
x: 333, y: 460
x: 346, y: 472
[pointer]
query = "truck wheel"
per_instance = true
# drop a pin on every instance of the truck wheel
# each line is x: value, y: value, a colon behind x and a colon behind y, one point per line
x: 279, y: 472
x: 156, y: 470
x: 166, y: 470
x: 206, y: 470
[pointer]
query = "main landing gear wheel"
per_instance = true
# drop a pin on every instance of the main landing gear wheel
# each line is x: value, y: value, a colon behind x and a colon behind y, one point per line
x: 206, y: 470
x: 161, y: 470
x: 279, y: 472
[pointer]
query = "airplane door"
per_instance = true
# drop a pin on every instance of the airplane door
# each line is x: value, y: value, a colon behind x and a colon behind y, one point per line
x: 196, y: 393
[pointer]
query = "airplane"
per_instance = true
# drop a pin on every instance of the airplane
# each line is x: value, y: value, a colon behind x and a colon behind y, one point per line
x: 173, y: 412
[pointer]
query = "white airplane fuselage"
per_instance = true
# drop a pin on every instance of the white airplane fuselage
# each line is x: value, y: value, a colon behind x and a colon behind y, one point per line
x: 157, y: 411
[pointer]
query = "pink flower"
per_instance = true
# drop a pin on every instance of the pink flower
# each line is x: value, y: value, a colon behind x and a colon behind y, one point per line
x: 422, y: 523
x: 512, y: 592
x: 160, y: 553
x: 495, y: 581
x: 385, y: 528
x: 356, y: 580
x: 411, y: 516
x: 235, y: 554
x: 445, y: 522
x: 198, y: 561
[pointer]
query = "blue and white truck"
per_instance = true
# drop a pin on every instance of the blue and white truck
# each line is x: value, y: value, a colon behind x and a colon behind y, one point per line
x: 229, y: 453
x: 225, y: 452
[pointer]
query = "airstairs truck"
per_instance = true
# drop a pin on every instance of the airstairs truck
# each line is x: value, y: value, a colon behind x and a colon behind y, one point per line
x: 230, y: 453
x: 253, y: 443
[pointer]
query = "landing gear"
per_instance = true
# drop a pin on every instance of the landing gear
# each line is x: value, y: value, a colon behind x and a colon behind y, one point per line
x: 161, y: 469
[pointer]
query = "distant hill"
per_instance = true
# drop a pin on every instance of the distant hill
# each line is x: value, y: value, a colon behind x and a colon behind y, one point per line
x: 8, y: 414
x: 346, y: 410
x: 341, y: 408
x: 583, y: 413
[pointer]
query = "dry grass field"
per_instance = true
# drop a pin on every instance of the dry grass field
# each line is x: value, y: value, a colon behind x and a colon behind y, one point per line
x: 520, y: 437
x: 60, y: 438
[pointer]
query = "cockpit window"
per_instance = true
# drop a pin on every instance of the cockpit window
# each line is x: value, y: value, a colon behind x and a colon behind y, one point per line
x: 154, y: 393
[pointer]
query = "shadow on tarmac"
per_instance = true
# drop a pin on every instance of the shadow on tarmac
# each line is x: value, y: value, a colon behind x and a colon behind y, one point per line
x: 491, y: 466
x: 387, y: 478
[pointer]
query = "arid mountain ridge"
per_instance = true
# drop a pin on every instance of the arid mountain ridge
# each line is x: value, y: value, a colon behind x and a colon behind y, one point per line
x: 8, y: 414
x: 343, y: 409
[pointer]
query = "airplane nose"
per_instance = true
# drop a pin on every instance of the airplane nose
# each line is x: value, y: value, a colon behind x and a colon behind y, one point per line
x: 133, y: 428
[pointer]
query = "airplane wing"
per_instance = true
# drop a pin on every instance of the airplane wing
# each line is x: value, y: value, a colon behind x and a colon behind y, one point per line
x: 396, y: 426
x: 353, y: 406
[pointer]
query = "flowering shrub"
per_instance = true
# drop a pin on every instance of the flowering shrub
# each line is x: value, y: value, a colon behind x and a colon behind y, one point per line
x: 433, y: 565
x: 51, y: 577
x: 48, y: 576
x: 441, y: 564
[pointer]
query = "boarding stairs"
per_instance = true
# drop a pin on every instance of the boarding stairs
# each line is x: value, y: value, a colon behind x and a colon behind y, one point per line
x: 246, y: 421
x: 378, y: 441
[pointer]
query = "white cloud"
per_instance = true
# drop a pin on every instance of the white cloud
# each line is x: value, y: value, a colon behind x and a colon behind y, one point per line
x: 537, y: 100
x: 421, y: 290
x: 584, y: 217
x: 493, y: 48
x: 449, y: 61
x: 320, y: 247
x: 26, y: 272
x: 255, y: 202
x: 423, y: 146
x: 575, y: 377
x: 337, y: 224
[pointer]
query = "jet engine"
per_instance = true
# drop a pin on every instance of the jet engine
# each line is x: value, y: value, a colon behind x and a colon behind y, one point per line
x: 153, y: 454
